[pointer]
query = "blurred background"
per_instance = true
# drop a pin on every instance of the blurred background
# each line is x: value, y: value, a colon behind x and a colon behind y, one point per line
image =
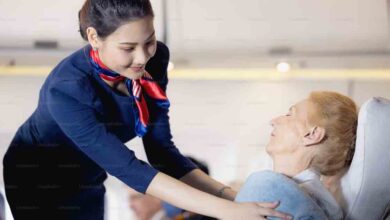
x: 234, y: 66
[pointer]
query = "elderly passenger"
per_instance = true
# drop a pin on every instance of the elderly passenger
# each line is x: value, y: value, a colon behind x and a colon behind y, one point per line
x: 315, y: 138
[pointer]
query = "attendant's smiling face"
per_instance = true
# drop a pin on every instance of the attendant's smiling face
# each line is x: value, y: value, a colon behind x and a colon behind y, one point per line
x: 128, y: 49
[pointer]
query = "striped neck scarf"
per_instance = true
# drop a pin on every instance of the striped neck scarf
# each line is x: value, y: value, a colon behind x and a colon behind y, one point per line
x: 137, y: 88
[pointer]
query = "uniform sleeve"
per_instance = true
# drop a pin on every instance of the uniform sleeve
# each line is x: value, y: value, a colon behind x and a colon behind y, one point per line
x: 161, y: 151
x: 70, y: 103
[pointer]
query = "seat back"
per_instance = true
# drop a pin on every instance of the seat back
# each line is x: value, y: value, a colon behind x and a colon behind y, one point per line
x: 365, y: 188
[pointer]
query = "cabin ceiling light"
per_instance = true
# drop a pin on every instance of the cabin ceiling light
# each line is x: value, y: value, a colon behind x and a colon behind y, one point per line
x: 283, y: 67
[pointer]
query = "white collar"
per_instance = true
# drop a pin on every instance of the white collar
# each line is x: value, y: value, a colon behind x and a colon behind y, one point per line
x: 306, y: 175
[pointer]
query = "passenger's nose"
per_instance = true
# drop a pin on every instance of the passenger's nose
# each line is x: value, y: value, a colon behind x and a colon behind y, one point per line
x: 274, y: 121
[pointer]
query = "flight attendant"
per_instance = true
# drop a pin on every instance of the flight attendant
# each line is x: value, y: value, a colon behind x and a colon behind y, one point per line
x: 94, y: 101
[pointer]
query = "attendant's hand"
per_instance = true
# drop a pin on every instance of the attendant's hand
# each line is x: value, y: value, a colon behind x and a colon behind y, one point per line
x: 253, y: 211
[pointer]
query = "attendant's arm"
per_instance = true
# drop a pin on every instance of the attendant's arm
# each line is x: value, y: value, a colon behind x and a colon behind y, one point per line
x: 71, y: 103
x: 182, y: 195
x: 200, y: 180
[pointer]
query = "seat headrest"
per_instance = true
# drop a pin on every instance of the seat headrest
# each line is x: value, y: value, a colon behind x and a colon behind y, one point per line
x: 365, y: 188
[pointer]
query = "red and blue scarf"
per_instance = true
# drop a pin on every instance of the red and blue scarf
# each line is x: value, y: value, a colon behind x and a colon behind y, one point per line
x: 136, y: 87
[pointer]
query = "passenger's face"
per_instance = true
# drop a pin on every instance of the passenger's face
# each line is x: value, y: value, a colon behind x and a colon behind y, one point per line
x: 289, y: 130
x: 128, y: 49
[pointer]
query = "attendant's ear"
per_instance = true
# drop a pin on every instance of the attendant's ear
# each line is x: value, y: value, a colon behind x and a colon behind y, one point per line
x: 315, y: 136
x: 93, y: 38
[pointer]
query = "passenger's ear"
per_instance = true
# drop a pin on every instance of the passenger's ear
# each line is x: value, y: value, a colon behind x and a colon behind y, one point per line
x: 314, y: 136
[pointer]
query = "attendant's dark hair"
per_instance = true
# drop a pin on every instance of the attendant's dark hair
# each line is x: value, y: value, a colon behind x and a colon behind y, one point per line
x: 108, y: 15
